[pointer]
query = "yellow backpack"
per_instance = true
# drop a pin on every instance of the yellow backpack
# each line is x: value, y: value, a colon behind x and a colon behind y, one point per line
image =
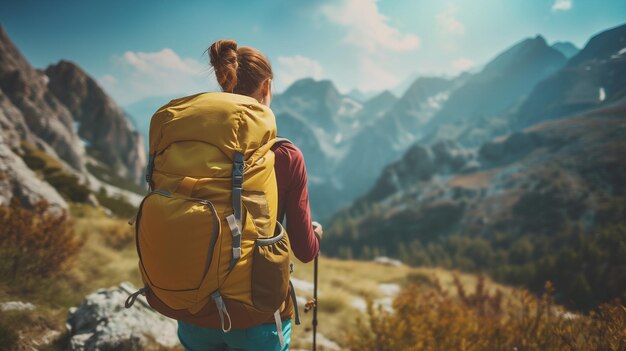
x: 210, y: 249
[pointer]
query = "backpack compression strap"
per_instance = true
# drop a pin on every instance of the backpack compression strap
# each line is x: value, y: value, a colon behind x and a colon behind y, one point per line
x: 234, y: 220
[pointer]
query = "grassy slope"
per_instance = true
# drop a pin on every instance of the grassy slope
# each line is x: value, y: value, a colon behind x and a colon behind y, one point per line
x: 341, y: 281
x: 100, y: 264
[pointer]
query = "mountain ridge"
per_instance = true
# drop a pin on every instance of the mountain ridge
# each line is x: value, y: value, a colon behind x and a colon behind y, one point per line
x: 524, y: 205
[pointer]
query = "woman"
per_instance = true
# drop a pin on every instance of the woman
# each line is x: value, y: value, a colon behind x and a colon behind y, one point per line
x: 246, y: 71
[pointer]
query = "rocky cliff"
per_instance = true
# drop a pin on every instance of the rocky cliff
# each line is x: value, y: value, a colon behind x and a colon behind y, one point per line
x: 98, y: 120
x: 63, y: 114
x: 38, y: 114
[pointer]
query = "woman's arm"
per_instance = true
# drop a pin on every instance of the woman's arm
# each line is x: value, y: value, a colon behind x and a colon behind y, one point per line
x: 294, y: 201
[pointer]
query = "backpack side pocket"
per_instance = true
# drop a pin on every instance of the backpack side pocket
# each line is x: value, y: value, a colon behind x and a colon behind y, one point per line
x: 270, y: 271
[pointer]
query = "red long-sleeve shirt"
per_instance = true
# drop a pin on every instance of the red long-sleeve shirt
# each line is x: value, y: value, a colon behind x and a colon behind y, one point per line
x: 293, y: 200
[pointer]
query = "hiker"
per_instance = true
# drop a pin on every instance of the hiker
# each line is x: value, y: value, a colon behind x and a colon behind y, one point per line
x: 246, y: 71
x: 213, y: 253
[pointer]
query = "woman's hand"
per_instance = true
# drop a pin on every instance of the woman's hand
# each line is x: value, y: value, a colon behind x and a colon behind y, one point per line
x: 318, y: 230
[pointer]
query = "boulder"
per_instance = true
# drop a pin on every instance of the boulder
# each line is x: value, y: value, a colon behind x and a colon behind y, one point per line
x: 386, y: 261
x: 16, y: 306
x: 101, y: 322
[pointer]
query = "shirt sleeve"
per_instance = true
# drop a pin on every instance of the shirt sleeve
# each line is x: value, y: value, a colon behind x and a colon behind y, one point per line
x: 293, y: 177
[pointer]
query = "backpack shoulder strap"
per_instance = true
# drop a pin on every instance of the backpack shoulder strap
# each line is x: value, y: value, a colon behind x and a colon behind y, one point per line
x: 281, y: 140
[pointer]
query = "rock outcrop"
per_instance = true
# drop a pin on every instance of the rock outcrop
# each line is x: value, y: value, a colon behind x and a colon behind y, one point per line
x: 98, y: 120
x: 64, y: 113
x: 41, y: 112
x: 101, y: 322
x: 17, y: 180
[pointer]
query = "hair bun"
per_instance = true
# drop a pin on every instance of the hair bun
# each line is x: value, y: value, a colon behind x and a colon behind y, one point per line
x: 223, y: 57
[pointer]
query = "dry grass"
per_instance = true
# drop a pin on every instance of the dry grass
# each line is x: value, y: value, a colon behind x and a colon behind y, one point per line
x: 109, y: 256
x: 36, y: 248
x: 97, y: 264
x: 343, y: 281
x: 434, y: 320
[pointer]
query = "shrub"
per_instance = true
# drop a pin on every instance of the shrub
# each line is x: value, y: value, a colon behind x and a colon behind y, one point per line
x: 34, y: 243
x: 117, y: 234
x: 8, y: 337
x: 119, y: 205
x: 435, y: 320
x: 67, y: 185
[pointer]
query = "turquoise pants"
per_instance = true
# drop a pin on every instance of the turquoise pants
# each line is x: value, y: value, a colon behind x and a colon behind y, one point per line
x: 262, y: 337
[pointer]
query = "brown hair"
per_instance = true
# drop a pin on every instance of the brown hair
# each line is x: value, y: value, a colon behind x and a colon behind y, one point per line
x: 239, y: 70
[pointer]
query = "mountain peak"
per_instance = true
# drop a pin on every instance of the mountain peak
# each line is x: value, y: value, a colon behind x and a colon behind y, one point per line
x: 11, y: 59
x: 520, y: 54
x: 312, y: 86
x: 67, y: 65
x: 540, y: 39
x: 71, y: 84
x: 602, y: 45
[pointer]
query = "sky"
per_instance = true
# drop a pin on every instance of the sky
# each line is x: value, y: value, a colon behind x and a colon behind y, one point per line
x: 143, y: 49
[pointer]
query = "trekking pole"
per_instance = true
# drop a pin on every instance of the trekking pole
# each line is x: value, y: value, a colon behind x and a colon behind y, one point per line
x: 312, y: 304
x: 315, y: 298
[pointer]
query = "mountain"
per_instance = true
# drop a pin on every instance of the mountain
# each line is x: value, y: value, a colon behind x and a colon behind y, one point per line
x: 523, y: 208
x: 493, y: 92
x: 591, y: 79
x: 566, y: 48
x: 317, y: 102
x: 543, y: 201
x: 60, y: 127
x: 99, y: 122
x: 383, y: 140
x: 345, y: 143
x: 304, y: 137
x: 374, y: 108
x: 319, y: 120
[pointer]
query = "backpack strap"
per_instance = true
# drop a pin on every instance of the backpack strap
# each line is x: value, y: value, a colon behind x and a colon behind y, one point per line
x: 281, y: 140
x: 234, y: 220
x: 149, y: 170
x: 294, y: 299
x: 278, y: 141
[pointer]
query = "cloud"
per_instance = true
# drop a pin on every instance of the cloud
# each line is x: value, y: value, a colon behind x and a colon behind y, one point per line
x: 138, y: 75
x: 374, y: 77
x: 367, y: 28
x: 462, y: 64
x: 448, y: 22
x: 292, y: 68
x: 562, y: 5
x: 376, y: 40
x: 108, y: 80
